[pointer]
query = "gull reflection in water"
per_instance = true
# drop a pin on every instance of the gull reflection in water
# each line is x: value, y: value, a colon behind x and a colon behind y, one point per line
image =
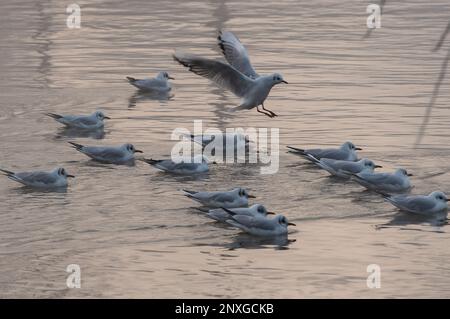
x: 402, y: 219
x: 243, y: 240
x: 142, y: 96
x: 72, y: 132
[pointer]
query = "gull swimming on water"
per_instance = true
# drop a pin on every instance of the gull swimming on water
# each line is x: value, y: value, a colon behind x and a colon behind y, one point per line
x: 160, y: 83
x: 237, y: 197
x: 255, y: 210
x: 199, y: 164
x: 345, y: 169
x: 238, y: 76
x: 258, y: 225
x: 347, y: 152
x: 54, y: 179
x: 396, y: 182
x: 122, y: 154
x: 434, y: 203
x: 86, y: 122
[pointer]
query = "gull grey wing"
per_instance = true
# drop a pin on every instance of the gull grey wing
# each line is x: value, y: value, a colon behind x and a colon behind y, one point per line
x: 222, y: 197
x: 379, y: 179
x: 103, y: 153
x: 236, y: 54
x: 222, y: 74
x: 330, y: 153
x: 254, y: 222
x: 36, y: 177
x: 417, y: 204
x: 84, y: 120
x: 350, y: 167
x: 184, y: 166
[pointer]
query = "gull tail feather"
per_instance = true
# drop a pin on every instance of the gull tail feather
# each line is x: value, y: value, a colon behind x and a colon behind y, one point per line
x: 131, y: 79
x: 188, y: 192
x: 6, y: 172
x: 296, y: 150
x: 54, y: 115
x: 76, y: 146
x: 150, y: 161
x: 229, y: 211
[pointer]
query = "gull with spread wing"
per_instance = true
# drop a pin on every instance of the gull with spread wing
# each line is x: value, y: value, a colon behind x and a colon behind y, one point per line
x: 238, y: 76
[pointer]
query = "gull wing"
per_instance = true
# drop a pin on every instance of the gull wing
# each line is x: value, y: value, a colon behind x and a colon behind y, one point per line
x: 236, y: 54
x: 254, y: 222
x: 412, y: 203
x: 34, y: 177
x: 224, y: 75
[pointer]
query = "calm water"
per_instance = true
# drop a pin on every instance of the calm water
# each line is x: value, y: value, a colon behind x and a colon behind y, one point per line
x: 130, y: 229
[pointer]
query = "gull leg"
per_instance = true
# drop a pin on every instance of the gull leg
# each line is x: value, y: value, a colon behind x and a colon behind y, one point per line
x: 271, y: 113
x: 265, y: 113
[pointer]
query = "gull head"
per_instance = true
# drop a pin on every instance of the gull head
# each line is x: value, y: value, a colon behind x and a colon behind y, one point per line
x: 369, y: 164
x: 164, y: 75
x: 349, y: 146
x: 277, y: 78
x: 403, y: 172
x: 101, y: 116
x: 283, y: 221
x: 62, y: 172
x: 440, y: 197
x: 130, y: 148
x: 242, y: 192
x: 260, y: 209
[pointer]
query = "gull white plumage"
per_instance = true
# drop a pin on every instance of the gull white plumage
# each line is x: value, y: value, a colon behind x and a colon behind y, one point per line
x: 160, y: 83
x: 196, y: 165
x: 345, y: 169
x: 259, y: 225
x: 238, y: 76
x: 123, y: 154
x: 255, y: 210
x: 85, y: 122
x: 396, y: 182
x: 434, y: 203
x: 237, y: 197
x: 38, y: 179
x: 346, y: 152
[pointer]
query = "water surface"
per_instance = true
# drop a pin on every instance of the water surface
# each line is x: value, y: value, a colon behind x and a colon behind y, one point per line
x: 131, y: 230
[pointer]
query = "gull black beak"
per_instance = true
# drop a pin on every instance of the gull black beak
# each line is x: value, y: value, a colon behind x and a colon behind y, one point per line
x: 284, y: 82
x: 447, y: 200
x: 138, y: 151
x: 358, y: 148
x: 171, y: 78
x: 292, y: 224
x: 409, y: 174
x: 106, y: 117
x: 271, y: 213
x: 378, y: 166
x: 71, y: 176
x: 251, y: 196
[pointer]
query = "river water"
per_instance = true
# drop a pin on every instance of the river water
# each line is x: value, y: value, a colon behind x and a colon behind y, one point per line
x: 130, y: 229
